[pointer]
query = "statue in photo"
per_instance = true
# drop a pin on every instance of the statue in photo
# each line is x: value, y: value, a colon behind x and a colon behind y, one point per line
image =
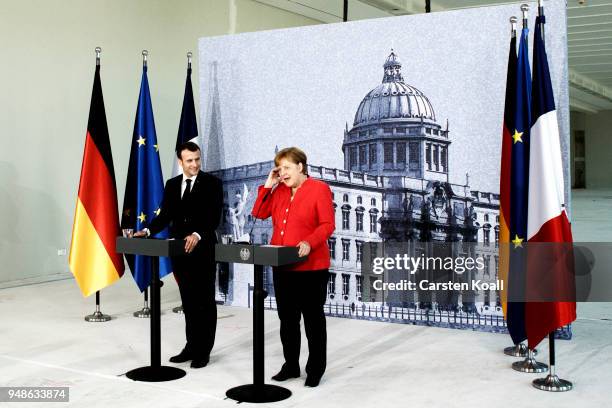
x: 237, y: 217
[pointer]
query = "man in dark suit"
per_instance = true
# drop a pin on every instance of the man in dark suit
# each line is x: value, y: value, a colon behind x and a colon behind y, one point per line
x: 191, y: 207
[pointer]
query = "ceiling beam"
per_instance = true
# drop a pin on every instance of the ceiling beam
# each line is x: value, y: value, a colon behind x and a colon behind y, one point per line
x: 579, y: 106
x: 582, y: 82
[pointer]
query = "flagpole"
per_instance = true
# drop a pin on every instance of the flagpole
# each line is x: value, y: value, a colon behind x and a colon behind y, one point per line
x: 144, y: 154
x: 97, y: 316
x: 552, y: 382
x: 179, y: 309
x: 541, y: 14
x: 529, y: 365
x: 345, y: 11
x: 525, y: 11
x: 145, y: 312
x: 520, y: 349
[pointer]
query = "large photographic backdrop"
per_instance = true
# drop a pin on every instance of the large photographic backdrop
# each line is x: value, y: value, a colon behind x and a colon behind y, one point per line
x: 401, y: 116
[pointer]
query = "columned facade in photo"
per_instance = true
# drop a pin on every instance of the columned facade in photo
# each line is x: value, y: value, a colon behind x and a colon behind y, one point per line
x: 394, y: 188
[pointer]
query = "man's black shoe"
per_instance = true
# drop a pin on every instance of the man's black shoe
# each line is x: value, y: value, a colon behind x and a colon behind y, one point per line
x: 312, y: 381
x: 199, y: 362
x: 182, y: 357
x: 286, y: 373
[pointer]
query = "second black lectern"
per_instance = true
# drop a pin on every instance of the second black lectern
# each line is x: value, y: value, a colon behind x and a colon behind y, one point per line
x: 153, y: 248
x: 259, y: 256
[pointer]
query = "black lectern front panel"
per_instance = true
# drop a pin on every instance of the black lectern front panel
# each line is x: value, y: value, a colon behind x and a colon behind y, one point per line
x: 269, y: 255
x: 276, y: 255
x: 235, y: 253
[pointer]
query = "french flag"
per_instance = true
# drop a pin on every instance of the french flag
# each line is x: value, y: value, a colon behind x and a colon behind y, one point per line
x: 188, y: 125
x: 547, y: 219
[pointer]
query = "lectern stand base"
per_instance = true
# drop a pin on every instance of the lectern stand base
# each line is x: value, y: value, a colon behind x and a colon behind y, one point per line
x: 258, y: 393
x: 155, y: 374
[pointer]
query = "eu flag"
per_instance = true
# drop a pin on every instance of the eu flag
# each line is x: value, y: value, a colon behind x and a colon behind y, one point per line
x: 144, y: 188
x: 519, y: 188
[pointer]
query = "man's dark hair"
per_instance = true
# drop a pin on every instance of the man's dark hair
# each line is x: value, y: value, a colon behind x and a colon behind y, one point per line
x: 192, y: 147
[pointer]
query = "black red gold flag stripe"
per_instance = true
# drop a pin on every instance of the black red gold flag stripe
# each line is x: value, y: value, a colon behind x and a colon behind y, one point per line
x: 93, y: 259
x: 506, y: 168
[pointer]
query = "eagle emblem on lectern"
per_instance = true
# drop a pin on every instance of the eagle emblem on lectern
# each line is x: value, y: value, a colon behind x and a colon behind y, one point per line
x: 245, y: 254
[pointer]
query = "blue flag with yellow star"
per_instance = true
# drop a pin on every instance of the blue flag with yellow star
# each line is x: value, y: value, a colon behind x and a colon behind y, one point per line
x: 144, y: 188
x: 519, y: 188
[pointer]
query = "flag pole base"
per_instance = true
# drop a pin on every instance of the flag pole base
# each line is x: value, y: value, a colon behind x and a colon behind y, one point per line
x: 529, y: 365
x: 520, y: 350
x: 144, y: 313
x: 97, y: 316
x: 552, y: 383
x: 178, y: 309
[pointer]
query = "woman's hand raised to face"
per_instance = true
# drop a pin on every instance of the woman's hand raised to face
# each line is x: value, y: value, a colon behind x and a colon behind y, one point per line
x: 273, y: 178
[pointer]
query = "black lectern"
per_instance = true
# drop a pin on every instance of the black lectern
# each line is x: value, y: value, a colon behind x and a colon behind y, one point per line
x: 153, y: 248
x: 259, y: 256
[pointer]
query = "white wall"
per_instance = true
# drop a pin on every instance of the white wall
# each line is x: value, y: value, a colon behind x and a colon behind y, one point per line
x: 46, y: 74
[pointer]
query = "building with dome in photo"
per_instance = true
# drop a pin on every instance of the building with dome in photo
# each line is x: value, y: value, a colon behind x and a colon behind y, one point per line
x: 394, y: 188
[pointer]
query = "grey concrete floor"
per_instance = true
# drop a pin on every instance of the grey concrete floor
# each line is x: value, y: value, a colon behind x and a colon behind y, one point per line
x: 45, y: 342
x: 592, y: 215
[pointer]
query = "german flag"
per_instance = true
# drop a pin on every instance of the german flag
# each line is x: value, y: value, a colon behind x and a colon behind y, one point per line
x: 506, y: 168
x: 93, y: 259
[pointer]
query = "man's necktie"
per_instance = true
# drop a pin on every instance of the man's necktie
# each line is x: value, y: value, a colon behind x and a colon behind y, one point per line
x: 187, y: 189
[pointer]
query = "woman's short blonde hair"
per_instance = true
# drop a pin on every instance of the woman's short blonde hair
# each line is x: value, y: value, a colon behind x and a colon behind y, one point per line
x: 294, y: 155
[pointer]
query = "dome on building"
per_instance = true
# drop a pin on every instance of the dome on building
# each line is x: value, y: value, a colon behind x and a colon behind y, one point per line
x: 393, y: 99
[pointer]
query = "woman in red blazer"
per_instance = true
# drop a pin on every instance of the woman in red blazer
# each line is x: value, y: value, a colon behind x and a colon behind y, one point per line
x: 303, y: 216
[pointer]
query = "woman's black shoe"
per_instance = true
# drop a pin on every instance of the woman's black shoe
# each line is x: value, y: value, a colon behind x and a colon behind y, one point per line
x: 312, y: 381
x: 199, y: 362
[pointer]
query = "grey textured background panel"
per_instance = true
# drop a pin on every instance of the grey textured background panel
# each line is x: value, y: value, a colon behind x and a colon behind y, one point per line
x: 300, y: 86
